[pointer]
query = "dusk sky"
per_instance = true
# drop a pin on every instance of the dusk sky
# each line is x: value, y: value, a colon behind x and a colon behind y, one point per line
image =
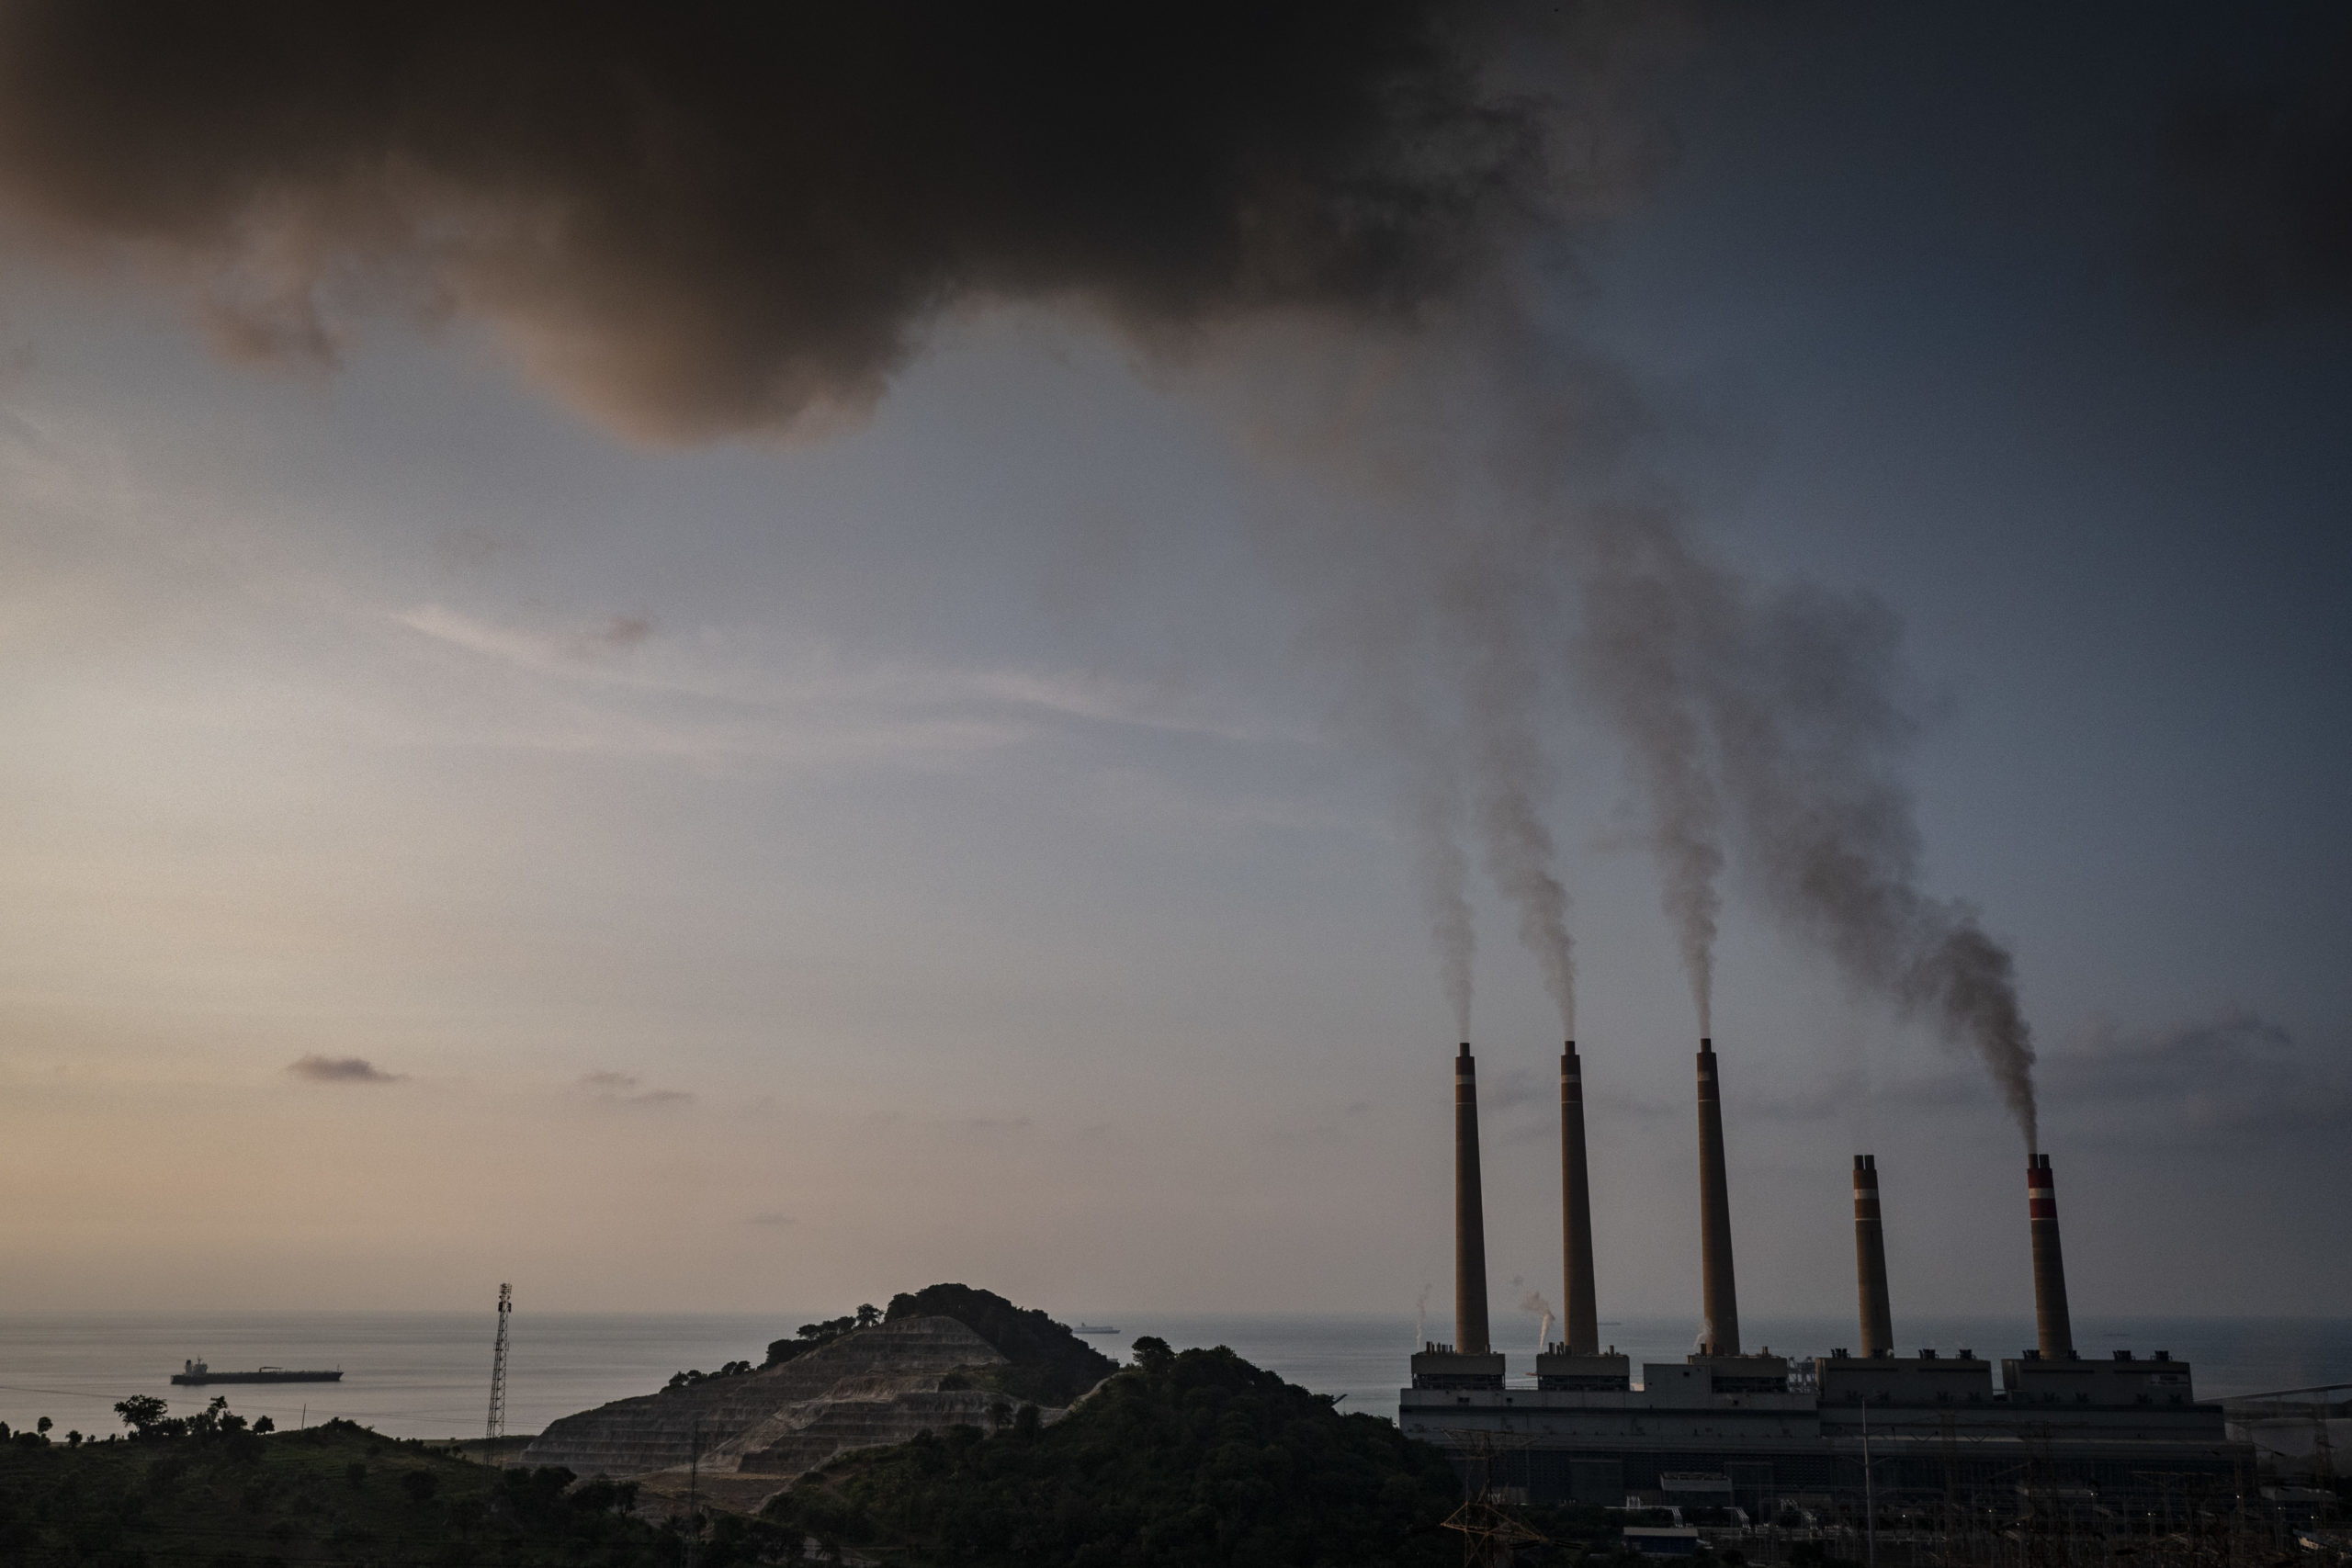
x: 485, y: 799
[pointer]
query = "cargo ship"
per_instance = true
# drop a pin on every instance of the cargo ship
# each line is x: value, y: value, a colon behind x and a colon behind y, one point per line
x: 197, y: 1372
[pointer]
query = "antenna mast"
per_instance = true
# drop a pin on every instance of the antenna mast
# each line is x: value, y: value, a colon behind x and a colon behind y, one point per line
x: 497, y: 1426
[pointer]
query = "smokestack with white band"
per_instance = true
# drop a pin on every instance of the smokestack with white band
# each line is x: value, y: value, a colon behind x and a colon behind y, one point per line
x: 1583, y: 1325
x: 1870, y: 1259
x: 1722, y: 1296
x: 1469, y: 1214
x: 2050, y: 1321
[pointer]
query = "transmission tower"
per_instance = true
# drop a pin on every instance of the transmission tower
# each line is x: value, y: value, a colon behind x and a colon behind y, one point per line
x: 497, y: 1427
x: 1491, y: 1534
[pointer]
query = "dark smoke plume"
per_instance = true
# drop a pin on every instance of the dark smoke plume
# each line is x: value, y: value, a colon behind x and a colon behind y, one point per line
x: 703, y: 219
x: 1649, y: 612
x: 1810, y: 728
x: 1515, y: 782
x: 1441, y: 870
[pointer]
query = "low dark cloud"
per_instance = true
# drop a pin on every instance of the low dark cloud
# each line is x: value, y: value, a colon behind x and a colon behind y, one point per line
x: 340, y: 1069
x: 2236, y: 1077
x: 623, y: 631
x: 627, y: 1088
x: 699, y: 218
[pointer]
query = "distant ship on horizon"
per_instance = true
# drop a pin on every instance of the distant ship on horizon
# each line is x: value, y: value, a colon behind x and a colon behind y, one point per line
x: 197, y: 1372
x: 1093, y: 1328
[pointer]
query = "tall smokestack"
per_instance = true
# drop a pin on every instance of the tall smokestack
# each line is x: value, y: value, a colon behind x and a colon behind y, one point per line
x: 2049, y: 1323
x: 1583, y: 1324
x: 1722, y: 1303
x: 1870, y: 1259
x: 1469, y: 1214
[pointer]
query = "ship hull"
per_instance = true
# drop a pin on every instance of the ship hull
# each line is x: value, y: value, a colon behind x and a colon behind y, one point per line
x: 190, y: 1379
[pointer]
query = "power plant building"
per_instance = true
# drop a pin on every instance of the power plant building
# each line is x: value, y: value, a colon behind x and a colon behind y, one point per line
x: 1757, y: 1431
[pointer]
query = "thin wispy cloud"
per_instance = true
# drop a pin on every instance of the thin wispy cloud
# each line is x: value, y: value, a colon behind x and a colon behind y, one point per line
x: 811, y: 678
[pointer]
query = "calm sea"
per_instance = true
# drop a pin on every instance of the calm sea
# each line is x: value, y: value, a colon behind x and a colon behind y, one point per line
x: 428, y: 1374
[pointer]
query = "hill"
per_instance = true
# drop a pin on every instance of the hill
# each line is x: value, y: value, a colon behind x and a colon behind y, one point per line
x: 1191, y: 1459
x: 944, y: 1357
x: 1049, y: 1365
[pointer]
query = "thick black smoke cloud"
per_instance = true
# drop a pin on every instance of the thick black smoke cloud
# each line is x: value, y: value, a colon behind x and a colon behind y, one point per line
x: 697, y: 220
x: 705, y: 218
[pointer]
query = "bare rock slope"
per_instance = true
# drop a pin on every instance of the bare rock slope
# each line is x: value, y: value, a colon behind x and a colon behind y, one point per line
x: 872, y: 1382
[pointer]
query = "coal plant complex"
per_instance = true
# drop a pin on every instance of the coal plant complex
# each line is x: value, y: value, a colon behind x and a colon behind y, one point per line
x: 1730, y: 1429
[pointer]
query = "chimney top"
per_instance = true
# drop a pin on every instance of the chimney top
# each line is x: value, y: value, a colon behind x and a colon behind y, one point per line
x: 1866, y: 1162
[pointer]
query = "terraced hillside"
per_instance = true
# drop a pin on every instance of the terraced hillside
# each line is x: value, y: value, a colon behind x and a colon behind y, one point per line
x: 939, y: 1360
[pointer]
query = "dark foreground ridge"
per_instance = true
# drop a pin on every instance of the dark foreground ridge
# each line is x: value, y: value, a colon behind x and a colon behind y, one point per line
x: 215, y: 1492
x: 1182, y: 1459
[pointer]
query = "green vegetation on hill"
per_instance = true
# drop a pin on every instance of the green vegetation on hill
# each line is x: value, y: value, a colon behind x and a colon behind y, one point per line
x: 1191, y: 1459
x: 1050, y: 1364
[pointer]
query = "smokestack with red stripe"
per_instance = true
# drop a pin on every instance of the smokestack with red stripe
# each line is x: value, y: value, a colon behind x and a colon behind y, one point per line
x: 2050, y: 1325
x: 1870, y: 1259
x: 1575, y: 1210
x: 1469, y: 1214
x: 1721, y: 1295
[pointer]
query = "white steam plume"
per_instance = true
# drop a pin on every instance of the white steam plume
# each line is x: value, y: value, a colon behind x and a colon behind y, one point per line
x: 1534, y: 1302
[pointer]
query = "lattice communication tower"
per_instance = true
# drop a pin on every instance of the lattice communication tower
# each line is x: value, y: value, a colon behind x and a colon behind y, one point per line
x: 497, y: 1427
